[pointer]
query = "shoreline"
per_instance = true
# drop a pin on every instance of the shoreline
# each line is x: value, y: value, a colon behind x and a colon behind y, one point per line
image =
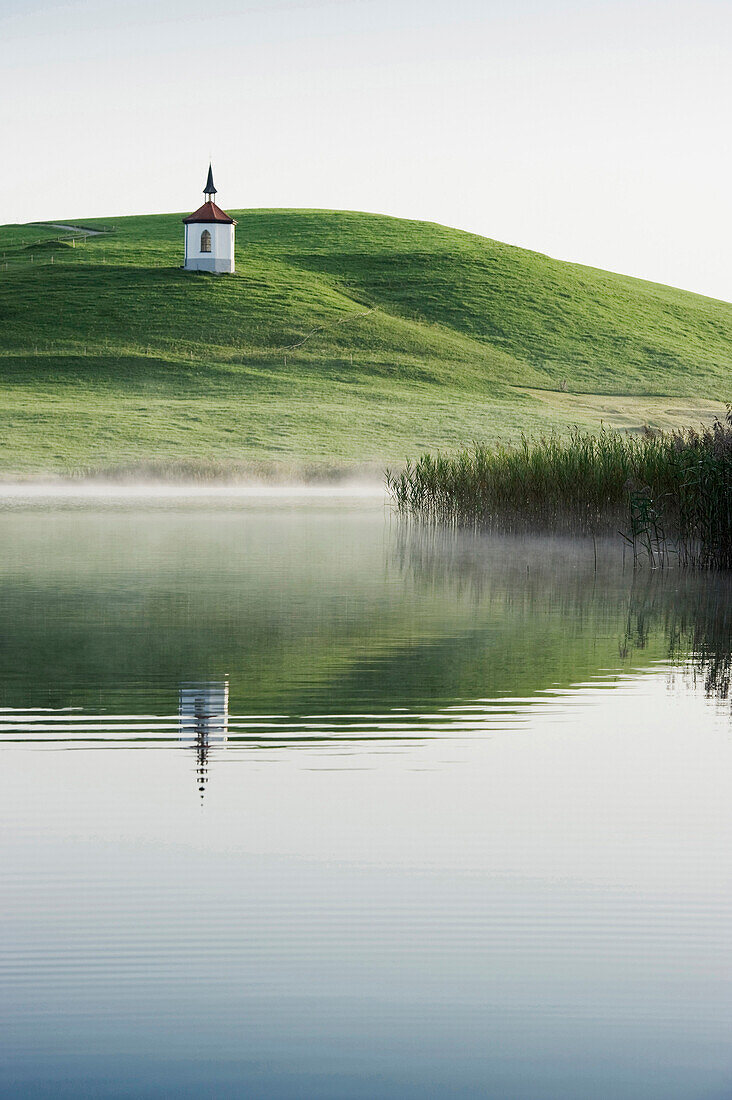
x: 186, y: 476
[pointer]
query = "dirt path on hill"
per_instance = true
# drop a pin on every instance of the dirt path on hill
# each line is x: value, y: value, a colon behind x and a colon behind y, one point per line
x: 325, y: 328
x: 73, y: 229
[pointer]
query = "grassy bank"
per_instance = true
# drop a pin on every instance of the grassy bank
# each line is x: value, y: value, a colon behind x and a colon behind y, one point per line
x: 343, y: 339
x: 666, y: 492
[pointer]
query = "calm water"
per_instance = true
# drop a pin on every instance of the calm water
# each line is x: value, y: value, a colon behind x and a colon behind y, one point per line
x: 299, y: 803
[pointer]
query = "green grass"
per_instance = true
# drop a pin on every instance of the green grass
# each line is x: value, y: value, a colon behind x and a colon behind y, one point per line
x: 343, y: 339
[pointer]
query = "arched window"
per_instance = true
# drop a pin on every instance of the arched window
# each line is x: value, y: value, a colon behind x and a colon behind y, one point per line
x: 205, y: 241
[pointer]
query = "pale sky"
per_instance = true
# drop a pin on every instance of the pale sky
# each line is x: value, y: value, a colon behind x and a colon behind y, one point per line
x: 594, y: 131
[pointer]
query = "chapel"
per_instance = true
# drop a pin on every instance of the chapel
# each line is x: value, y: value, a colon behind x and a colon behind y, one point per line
x: 209, y: 235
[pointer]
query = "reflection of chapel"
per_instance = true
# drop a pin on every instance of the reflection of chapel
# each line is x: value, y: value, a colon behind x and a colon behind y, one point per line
x: 209, y: 235
x: 203, y: 710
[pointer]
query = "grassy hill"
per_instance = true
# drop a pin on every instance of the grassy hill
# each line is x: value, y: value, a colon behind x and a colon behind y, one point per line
x: 343, y: 338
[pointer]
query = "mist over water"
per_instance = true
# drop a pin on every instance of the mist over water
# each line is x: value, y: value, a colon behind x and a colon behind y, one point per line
x: 105, y: 492
x: 299, y: 800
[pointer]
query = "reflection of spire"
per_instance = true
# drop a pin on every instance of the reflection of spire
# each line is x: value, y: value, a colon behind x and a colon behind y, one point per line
x: 204, y: 718
x: 201, y: 762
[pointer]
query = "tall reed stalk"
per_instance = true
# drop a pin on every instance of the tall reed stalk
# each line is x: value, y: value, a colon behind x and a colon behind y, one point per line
x: 666, y: 492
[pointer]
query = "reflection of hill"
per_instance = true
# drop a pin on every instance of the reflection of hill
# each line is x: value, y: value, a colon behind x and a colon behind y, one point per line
x: 318, y: 610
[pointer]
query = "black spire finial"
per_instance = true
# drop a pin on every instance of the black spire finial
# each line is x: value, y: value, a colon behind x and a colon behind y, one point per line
x: 209, y: 189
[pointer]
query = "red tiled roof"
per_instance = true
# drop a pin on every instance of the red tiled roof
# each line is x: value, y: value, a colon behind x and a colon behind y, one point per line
x: 209, y: 212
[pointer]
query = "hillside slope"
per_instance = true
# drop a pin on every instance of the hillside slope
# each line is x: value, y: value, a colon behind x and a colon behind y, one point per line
x: 343, y: 337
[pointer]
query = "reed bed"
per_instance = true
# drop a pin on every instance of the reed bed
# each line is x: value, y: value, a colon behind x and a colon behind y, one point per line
x: 667, y: 493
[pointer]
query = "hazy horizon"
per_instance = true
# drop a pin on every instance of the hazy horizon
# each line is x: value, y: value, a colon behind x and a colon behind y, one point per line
x: 590, y: 131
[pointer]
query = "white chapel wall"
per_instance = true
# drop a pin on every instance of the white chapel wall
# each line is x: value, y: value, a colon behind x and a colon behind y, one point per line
x: 221, y: 256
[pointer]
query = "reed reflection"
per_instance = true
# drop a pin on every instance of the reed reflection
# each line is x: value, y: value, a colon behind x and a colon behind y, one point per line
x: 695, y: 612
x: 583, y: 586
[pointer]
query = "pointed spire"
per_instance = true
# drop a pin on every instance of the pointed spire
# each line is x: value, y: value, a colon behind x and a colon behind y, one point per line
x: 209, y: 189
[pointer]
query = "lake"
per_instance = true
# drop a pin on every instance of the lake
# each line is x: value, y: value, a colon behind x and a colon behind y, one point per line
x: 299, y: 800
